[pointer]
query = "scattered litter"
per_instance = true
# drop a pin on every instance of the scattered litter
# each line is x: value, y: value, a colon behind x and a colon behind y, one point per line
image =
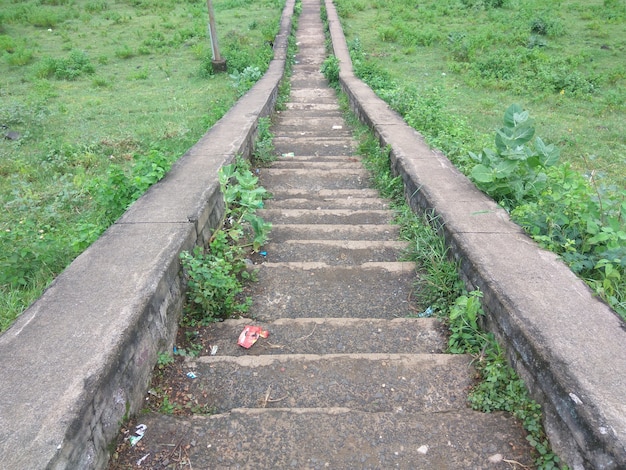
x: 575, y: 399
x: 139, y: 431
x: 140, y: 461
x: 250, y: 334
x: 426, y: 313
x: 191, y: 375
x: 263, y: 253
x: 496, y: 458
x: 213, y: 350
x: 337, y: 128
x: 423, y: 450
x: 289, y: 154
x: 175, y: 350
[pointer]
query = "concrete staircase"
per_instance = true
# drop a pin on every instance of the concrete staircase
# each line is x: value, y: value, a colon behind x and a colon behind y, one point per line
x: 345, y: 379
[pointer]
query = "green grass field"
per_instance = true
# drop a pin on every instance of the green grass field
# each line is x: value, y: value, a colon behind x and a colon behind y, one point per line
x: 563, y: 60
x: 97, y: 99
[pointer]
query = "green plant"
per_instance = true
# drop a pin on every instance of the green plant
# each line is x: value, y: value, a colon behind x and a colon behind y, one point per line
x: 264, y: 152
x: 212, y: 282
x: 70, y: 68
x: 500, y: 388
x: 463, y: 322
x: 215, y: 276
x: 244, y: 80
x: 330, y: 69
x: 164, y: 359
x: 567, y: 213
x: 515, y: 171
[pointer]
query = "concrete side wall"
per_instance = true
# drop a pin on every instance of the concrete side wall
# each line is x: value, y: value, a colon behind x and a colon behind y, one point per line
x: 568, y: 346
x: 80, y: 358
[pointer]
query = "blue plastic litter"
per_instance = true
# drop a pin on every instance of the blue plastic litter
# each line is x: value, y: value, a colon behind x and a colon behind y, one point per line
x: 426, y: 313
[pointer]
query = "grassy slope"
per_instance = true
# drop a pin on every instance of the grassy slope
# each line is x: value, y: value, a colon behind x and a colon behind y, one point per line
x: 146, y: 96
x: 479, y: 57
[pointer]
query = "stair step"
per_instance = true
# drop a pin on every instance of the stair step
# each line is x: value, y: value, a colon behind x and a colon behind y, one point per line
x: 366, y: 382
x: 317, y: 146
x: 315, y: 290
x: 281, y: 233
x: 309, y: 164
x: 337, y: 438
x: 326, y: 216
x: 332, y: 336
x: 305, y: 106
x: 314, y: 179
x: 321, y: 194
x: 296, y: 120
x: 312, y: 95
x: 328, y: 203
x: 335, y: 252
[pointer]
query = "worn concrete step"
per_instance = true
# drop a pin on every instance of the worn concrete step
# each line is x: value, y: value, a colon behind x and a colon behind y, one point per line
x: 326, y: 216
x: 281, y: 233
x: 314, y: 113
x: 302, y: 77
x: 303, y: 81
x: 328, y: 203
x: 365, y: 382
x: 335, y: 252
x: 306, y: 106
x: 330, y: 159
x: 316, y: 290
x: 316, y: 146
x: 314, y: 179
x: 313, y: 95
x: 311, y: 134
x: 293, y: 163
x: 331, y: 336
x: 281, y: 193
x: 337, y: 438
x: 295, y: 121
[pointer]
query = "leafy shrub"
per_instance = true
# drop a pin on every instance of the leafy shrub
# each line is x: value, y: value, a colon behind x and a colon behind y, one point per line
x: 70, y: 68
x: 514, y: 172
x: 212, y: 281
x: 117, y: 189
x: 7, y: 44
x: 96, y: 6
x: 564, y: 211
x: 387, y: 34
x: 241, y: 54
x: 551, y: 27
x: 215, y: 277
x: 330, y: 69
x: 20, y: 56
x: 264, y: 152
x: 244, y: 80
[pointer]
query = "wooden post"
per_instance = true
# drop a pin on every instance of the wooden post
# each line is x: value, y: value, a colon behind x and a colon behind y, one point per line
x: 219, y: 64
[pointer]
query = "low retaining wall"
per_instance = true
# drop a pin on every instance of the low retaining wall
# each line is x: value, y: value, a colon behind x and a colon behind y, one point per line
x: 569, y: 347
x: 80, y: 359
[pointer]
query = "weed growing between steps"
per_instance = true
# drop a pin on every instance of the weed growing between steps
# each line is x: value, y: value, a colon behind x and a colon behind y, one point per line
x: 441, y: 293
x: 284, y: 88
x: 215, y: 276
x: 264, y: 153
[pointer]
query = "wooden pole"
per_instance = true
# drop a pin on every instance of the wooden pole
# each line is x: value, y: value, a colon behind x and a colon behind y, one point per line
x: 219, y: 64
